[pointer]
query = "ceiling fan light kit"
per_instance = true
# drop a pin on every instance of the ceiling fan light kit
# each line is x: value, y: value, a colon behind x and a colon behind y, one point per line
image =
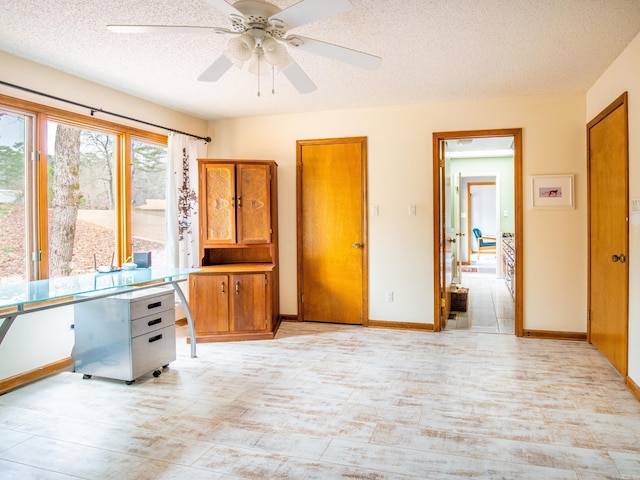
x: 257, y: 36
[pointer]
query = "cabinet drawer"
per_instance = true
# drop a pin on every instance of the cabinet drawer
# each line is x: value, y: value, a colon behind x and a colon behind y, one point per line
x: 151, y: 305
x: 147, y: 324
x: 153, y: 350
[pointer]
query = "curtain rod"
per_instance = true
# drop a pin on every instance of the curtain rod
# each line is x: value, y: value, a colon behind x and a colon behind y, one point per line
x: 93, y: 110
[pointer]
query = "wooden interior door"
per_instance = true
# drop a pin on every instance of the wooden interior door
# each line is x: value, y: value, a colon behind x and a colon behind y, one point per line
x: 447, y: 238
x: 332, y: 285
x: 607, y: 137
x: 457, y: 217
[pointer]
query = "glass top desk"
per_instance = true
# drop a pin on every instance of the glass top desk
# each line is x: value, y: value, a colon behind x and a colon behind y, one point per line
x: 28, y: 297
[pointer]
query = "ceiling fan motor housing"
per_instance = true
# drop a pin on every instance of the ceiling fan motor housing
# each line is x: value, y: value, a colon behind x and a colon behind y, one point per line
x: 256, y: 17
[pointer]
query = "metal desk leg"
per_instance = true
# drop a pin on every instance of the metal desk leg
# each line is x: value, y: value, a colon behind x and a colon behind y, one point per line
x: 192, y: 335
x: 6, y: 325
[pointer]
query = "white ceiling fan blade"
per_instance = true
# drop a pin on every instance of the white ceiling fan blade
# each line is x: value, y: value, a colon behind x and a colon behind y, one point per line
x: 298, y: 78
x: 308, y: 11
x: 164, y: 29
x: 224, y: 7
x: 347, y: 55
x: 216, y: 69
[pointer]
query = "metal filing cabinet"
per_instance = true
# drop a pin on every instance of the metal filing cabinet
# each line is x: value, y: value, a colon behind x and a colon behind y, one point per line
x: 125, y: 336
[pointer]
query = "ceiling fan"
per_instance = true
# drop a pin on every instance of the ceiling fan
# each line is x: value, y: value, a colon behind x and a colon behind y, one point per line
x: 258, y: 35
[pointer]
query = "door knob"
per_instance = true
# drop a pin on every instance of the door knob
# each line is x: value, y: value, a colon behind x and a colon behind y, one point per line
x: 452, y: 240
x: 619, y: 258
x: 357, y: 245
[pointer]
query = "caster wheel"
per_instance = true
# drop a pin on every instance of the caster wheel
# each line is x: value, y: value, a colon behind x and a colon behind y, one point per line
x: 86, y: 376
x: 129, y: 382
x: 157, y: 373
x: 165, y: 366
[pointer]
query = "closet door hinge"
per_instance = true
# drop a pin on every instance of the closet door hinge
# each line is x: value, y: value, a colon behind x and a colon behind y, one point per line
x: 35, y: 156
x: 36, y: 256
x: 441, y: 163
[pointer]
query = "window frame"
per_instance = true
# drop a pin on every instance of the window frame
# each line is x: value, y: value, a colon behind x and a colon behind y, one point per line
x: 125, y: 135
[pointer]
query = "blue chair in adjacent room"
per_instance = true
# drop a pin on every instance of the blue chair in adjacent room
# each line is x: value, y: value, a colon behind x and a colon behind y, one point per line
x: 486, y: 243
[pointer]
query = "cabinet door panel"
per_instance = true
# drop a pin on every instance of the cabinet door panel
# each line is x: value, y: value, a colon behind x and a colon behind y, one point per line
x: 209, y: 303
x: 254, y: 213
x: 220, y: 213
x: 249, y: 302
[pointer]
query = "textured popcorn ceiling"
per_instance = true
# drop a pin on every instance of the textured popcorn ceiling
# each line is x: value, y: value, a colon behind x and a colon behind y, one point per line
x: 431, y: 50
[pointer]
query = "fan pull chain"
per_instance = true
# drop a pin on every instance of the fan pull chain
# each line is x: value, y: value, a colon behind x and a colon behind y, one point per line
x: 273, y: 80
x: 258, y: 76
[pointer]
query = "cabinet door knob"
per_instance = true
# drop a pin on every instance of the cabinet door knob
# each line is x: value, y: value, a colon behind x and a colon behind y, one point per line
x: 357, y: 245
x: 237, y: 288
x: 222, y: 286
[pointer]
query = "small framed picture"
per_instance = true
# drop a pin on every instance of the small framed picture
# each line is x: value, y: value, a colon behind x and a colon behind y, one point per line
x: 552, y: 191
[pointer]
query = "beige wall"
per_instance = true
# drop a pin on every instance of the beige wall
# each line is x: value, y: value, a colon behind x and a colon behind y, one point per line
x: 48, y: 334
x: 623, y: 76
x: 400, y: 246
x: 37, y: 77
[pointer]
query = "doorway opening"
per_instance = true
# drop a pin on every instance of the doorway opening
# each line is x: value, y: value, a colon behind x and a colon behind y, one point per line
x: 478, y: 230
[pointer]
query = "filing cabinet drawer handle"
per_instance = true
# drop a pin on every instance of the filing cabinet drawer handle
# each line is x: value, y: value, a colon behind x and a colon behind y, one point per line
x: 154, y: 322
x: 155, y: 339
x: 154, y: 305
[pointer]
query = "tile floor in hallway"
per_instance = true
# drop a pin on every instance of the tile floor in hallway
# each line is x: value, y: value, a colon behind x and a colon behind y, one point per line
x: 490, y: 306
x: 326, y: 402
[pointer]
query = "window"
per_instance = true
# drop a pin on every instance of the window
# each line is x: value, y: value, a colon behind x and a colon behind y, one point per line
x: 17, y: 229
x: 95, y: 195
x: 81, y: 198
x: 148, y: 194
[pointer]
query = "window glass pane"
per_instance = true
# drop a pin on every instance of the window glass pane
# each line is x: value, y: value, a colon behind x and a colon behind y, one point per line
x: 13, y: 220
x: 82, y: 200
x: 148, y: 190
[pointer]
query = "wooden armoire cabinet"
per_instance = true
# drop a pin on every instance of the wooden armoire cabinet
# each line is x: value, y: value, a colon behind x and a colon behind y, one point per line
x: 235, y: 294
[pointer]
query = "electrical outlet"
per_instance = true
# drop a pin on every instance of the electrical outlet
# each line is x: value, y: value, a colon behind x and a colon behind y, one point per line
x: 375, y: 210
x: 412, y: 210
x: 390, y: 296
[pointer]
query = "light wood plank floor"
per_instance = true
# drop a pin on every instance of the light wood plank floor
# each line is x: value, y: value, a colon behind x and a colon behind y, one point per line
x: 335, y: 402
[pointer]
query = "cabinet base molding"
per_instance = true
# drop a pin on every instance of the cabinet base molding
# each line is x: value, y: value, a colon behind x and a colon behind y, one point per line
x: 633, y: 387
x: 65, y: 364
x: 552, y: 335
x: 290, y: 318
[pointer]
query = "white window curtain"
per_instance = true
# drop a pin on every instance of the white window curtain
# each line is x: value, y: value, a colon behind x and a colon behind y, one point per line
x: 182, y: 201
